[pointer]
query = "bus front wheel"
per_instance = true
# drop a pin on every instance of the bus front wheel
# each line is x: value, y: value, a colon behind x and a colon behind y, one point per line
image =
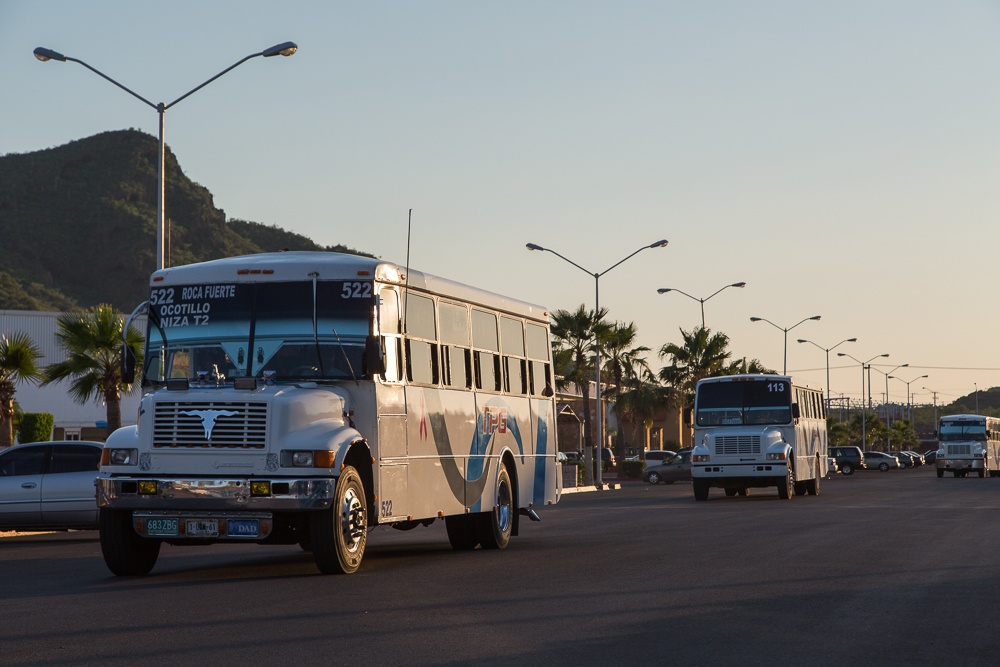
x: 339, y: 534
x: 786, y: 485
x: 700, y: 489
x: 940, y: 473
x: 126, y: 552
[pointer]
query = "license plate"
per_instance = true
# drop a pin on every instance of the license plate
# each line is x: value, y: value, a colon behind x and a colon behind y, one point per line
x: 202, y: 528
x: 243, y: 527
x: 161, y: 527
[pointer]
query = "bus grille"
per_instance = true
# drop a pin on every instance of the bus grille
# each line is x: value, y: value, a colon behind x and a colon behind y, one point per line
x: 233, y: 425
x: 737, y: 444
x: 959, y: 449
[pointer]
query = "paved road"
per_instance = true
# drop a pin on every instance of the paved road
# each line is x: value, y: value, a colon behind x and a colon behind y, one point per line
x: 880, y: 568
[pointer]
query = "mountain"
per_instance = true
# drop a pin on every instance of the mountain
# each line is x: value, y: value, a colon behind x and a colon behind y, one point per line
x: 78, y: 224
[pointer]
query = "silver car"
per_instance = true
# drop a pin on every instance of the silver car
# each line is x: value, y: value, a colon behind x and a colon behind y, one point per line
x: 49, y: 485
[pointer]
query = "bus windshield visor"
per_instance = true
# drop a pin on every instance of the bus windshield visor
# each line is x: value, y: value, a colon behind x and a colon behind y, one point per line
x: 962, y: 431
x: 741, y: 403
x: 297, y: 330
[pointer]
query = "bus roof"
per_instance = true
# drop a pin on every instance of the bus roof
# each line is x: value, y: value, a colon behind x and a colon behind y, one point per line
x: 964, y: 418
x: 754, y: 377
x: 303, y: 265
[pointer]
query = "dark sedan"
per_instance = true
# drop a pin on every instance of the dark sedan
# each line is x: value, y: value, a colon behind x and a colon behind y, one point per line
x: 675, y: 469
x: 49, y: 485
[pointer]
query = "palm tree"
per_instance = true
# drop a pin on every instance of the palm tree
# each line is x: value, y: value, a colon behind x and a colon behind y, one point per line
x: 743, y: 367
x: 624, y: 362
x: 702, y: 354
x: 18, y: 363
x: 93, y: 343
x: 573, y: 338
x: 640, y: 402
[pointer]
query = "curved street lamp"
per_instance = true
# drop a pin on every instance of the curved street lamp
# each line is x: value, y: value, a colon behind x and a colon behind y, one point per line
x: 827, y: 350
x: 664, y: 290
x: 598, y: 481
x: 43, y: 54
x: 864, y: 437
x: 784, y: 368
x: 909, y: 405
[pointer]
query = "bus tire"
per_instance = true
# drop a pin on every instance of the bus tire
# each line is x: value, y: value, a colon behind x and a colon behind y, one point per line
x: 745, y: 491
x: 730, y: 493
x: 940, y: 473
x: 700, y: 489
x: 812, y: 486
x: 800, y: 488
x: 847, y: 468
x: 786, y: 484
x: 495, y: 526
x: 126, y: 553
x: 339, y: 534
x: 462, y: 534
x: 982, y: 473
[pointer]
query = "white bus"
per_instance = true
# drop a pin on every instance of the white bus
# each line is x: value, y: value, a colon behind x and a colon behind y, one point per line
x: 758, y: 430
x: 968, y: 443
x: 306, y: 397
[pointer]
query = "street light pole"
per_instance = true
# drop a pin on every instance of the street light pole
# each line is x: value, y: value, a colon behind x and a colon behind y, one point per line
x: 864, y: 419
x: 43, y: 54
x: 827, y: 350
x: 664, y: 290
x: 909, y: 405
x: 934, y: 397
x: 784, y: 370
x: 599, y: 479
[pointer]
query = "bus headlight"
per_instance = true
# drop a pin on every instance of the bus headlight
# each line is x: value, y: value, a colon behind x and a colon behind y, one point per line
x: 776, y: 456
x: 306, y: 458
x: 120, y: 457
x: 701, y: 458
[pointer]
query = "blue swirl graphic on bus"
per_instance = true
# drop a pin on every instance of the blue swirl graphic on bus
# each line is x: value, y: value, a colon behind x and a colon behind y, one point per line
x: 495, y: 417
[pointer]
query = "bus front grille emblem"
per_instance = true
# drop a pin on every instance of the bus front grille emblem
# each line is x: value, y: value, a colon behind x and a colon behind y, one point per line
x: 208, y: 418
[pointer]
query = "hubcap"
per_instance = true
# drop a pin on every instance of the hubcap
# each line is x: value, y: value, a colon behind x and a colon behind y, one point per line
x: 352, y: 519
x: 503, y: 506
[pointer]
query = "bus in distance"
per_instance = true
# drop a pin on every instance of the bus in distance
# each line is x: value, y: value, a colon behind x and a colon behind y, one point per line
x: 758, y: 431
x: 968, y: 444
x: 308, y: 397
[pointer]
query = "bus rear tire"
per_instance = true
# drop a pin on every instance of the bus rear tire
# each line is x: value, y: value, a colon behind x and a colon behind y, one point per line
x: 812, y: 486
x: 940, y: 473
x: 730, y: 493
x: 462, y: 532
x: 339, y: 534
x: 126, y: 553
x: 700, y: 489
x: 495, y: 526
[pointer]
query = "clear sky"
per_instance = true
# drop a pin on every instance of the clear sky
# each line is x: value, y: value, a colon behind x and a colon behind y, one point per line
x: 841, y: 157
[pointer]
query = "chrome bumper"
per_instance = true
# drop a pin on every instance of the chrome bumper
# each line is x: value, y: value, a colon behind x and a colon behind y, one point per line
x: 215, y: 494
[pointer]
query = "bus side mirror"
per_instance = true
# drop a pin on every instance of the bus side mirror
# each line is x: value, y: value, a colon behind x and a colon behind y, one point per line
x: 128, y: 364
x: 795, y: 411
x: 688, y: 416
x: 374, y: 361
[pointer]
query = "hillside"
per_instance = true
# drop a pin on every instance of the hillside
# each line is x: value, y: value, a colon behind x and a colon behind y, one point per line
x: 78, y: 224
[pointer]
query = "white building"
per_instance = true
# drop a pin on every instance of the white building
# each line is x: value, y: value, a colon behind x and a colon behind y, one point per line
x: 73, y: 420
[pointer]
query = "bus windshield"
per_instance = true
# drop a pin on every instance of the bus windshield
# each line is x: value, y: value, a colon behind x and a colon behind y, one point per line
x: 298, y: 330
x: 740, y: 403
x: 955, y: 431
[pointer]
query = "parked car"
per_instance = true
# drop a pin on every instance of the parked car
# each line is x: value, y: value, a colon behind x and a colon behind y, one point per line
x: 654, y: 456
x: 607, y: 459
x: 880, y: 460
x: 49, y: 485
x: 574, y: 457
x: 906, y: 459
x: 918, y: 458
x: 831, y: 466
x: 848, y: 459
x: 930, y: 456
x: 674, y: 469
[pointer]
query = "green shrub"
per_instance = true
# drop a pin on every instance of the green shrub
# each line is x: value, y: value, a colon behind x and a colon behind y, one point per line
x: 632, y: 469
x: 35, y: 427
